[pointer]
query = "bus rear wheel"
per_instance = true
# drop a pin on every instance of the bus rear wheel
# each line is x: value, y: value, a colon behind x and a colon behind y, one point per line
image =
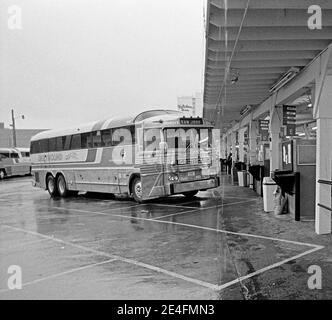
x: 62, y: 186
x: 137, y: 190
x: 190, y: 194
x: 51, y: 186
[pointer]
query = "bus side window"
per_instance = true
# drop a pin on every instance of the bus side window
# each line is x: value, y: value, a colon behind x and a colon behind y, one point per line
x: 86, y: 140
x: 67, y: 143
x: 96, y: 138
x: 4, y: 155
x: 14, y: 155
x: 124, y: 135
x: 106, y: 138
x: 43, y: 145
x: 52, y: 144
x: 59, y: 144
x: 35, y: 147
x: 76, y: 142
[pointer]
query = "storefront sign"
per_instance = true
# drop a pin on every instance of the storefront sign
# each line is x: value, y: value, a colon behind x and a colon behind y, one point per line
x: 263, y: 126
x: 289, y: 119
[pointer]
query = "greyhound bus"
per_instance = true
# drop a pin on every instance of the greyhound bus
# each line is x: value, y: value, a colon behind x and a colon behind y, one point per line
x: 156, y: 153
x: 14, y: 162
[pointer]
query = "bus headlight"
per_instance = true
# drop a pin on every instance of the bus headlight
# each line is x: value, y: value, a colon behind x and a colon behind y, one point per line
x: 173, y: 177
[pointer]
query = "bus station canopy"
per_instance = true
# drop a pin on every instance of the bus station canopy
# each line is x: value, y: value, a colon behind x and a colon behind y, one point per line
x: 265, y: 40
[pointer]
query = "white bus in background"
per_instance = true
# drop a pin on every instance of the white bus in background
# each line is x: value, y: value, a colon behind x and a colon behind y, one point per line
x: 137, y: 155
x: 14, y: 162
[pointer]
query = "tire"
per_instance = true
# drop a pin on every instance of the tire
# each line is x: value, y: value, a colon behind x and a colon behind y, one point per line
x: 51, y: 186
x: 136, y: 188
x: 2, y: 174
x: 62, y: 186
x: 190, y: 194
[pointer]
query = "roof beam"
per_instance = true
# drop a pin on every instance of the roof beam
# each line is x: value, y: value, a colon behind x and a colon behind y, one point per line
x: 266, y: 18
x: 272, y: 4
x: 269, y: 45
x: 267, y: 55
x: 270, y: 33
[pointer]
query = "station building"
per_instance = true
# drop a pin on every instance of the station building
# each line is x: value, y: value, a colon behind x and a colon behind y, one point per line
x: 268, y: 88
x: 23, y: 136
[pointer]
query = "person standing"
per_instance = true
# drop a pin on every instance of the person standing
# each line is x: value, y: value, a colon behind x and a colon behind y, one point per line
x: 229, y: 163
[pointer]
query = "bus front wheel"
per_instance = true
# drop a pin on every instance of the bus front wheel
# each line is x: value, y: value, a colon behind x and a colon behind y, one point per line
x: 137, y: 190
x: 62, y: 186
x: 2, y: 174
x: 51, y: 186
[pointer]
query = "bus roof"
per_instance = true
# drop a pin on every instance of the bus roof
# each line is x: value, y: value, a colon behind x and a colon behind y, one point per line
x: 146, y: 117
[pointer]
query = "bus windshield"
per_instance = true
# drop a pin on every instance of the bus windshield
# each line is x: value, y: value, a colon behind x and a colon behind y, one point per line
x: 188, y: 138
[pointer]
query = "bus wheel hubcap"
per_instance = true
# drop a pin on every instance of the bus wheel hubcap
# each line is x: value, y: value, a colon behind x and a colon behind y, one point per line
x: 138, y: 189
x: 51, y: 185
x: 61, y: 186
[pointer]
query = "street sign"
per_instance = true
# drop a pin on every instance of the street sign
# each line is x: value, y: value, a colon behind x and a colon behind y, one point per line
x: 289, y: 119
x: 263, y: 127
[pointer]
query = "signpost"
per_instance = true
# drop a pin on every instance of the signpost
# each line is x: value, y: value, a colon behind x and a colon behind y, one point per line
x: 289, y: 119
x: 263, y: 126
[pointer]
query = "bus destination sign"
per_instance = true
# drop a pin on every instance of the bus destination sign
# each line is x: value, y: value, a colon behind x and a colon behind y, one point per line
x: 191, y: 121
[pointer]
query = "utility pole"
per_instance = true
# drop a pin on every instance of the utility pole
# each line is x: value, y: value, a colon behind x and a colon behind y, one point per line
x: 14, y: 129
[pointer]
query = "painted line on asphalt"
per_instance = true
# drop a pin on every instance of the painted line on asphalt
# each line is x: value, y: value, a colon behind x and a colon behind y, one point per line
x: 195, y: 227
x: 202, y: 209
x: 170, y: 205
x: 122, y: 208
x: 272, y: 266
x: 115, y: 257
x: 56, y: 275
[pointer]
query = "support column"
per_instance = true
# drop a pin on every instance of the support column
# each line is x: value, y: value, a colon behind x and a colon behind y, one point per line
x: 275, y: 126
x: 252, y: 142
x: 241, y: 144
x: 233, y: 140
x: 324, y: 158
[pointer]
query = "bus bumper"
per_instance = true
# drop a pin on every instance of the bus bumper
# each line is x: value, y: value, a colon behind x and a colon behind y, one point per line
x: 194, y: 185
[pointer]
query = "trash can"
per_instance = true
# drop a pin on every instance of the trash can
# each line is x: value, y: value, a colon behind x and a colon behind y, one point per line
x: 242, y: 176
x: 269, y: 186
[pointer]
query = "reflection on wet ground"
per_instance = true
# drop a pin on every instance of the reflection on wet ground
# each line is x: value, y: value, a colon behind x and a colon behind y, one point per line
x: 219, y: 245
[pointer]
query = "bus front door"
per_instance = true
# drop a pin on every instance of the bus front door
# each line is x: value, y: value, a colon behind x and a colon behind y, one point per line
x: 151, y: 163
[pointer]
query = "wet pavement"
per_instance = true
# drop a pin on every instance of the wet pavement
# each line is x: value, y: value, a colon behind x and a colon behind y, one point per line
x: 218, y: 245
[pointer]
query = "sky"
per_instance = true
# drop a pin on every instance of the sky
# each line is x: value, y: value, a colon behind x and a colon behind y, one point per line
x: 76, y: 61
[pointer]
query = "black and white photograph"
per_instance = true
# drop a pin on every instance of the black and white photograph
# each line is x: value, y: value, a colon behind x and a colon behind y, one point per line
x: 165, y: 155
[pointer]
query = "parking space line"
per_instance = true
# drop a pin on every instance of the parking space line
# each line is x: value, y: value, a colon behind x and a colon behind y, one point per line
x: 56, y: 275
x: 172, y: 205
x: 195, y: 227
x: 177, y: 213
x: 122, y: 208
x: 272, y: 266
x: 115, y: 257
x: 202, y: 209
